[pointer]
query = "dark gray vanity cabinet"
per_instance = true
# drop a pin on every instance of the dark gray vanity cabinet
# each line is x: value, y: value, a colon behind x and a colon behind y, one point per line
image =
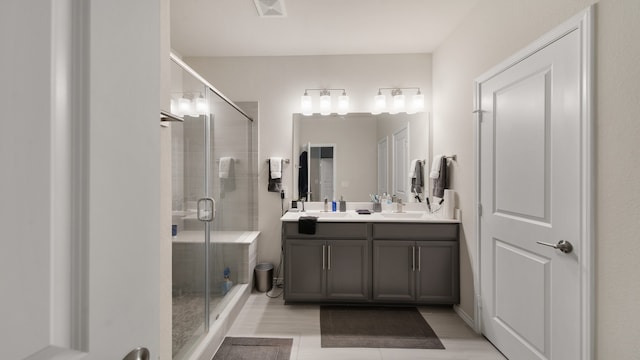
x: 375, y: 262
x: 416, y: 263
x: 331, y: 265
x: 305, y: 277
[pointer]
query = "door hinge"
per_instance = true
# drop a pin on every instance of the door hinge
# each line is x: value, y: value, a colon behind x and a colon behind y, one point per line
x: 479, y: 209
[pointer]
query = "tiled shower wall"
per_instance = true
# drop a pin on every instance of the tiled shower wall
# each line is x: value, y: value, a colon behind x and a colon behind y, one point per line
x: 232, y: 135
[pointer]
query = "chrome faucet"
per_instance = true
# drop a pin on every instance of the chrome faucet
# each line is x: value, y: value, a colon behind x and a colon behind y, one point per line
x: 399, y: 206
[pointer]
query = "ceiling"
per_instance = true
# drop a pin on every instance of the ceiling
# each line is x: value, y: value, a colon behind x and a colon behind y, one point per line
x: 313, y: 27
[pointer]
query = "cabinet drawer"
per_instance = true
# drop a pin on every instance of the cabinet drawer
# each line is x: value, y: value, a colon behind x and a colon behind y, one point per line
x: 408, y: 231
x: 328, y: 230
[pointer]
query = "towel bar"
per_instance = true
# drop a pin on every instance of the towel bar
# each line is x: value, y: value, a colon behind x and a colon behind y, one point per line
x: 286, y: 161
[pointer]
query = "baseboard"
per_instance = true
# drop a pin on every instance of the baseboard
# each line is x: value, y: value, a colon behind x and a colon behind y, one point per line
x: 465, y: 317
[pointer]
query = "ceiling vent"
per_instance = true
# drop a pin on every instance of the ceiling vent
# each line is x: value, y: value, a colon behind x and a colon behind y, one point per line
x: 270, y: 8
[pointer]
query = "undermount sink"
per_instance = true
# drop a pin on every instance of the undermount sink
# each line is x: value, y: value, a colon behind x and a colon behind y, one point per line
x: 402, y: 215
x: 324, y: 214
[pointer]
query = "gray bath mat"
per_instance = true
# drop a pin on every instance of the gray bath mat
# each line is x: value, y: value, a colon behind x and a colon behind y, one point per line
x: 376, y: 327
x: 241, y: 348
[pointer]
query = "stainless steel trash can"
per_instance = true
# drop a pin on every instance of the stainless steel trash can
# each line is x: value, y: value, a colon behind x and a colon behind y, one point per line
x: 264, y: 277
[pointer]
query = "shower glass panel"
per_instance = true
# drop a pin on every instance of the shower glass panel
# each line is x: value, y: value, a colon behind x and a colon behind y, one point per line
x: 233, y: 185
x: 213, y: 157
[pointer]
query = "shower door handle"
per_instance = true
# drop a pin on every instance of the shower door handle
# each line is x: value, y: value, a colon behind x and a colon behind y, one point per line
x: 206, y: 209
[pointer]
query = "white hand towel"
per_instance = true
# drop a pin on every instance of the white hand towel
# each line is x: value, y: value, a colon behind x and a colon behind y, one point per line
x: 435, y: 167
x: 275, y: 167
x: 223, y: 167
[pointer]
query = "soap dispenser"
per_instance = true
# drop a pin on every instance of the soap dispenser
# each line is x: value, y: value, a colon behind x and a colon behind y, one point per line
x: 226, y: 282
x: 326, y: 205
x: 343, y: 204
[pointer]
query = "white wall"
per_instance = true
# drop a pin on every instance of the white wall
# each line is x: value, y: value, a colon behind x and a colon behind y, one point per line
x: 278, y: 82
x: 494, y: 30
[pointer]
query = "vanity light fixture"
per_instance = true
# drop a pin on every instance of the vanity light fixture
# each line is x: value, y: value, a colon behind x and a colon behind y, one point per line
x: 399, y: 103
x: 306, y: 102
x: 189, y: 104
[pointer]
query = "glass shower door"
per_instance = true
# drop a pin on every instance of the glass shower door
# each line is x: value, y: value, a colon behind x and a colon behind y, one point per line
x: 233, y: 185
x: 213, y: 157
x: 193, y: 211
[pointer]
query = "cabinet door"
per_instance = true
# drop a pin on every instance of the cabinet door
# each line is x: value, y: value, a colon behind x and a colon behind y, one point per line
x: 437, y: 272
x: 348, y: 272
x: 393, y: 270
x: 304, y: 269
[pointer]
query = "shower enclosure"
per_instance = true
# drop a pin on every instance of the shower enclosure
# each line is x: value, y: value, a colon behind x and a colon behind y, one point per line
x: 214, y: 202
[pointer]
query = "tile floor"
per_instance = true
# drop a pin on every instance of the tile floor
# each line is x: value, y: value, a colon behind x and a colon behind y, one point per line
x: 266, y: 317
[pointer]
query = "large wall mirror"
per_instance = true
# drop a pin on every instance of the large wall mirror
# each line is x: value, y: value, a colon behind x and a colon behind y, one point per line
x: 358, y: 154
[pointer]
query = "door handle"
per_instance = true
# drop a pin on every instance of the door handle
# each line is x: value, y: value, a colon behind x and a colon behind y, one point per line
x: 562, y: 245
x: 140, y: 353
x: 323, y: 257
x: 413, y: 258
x: 328, y: 257
x: 206, y: 209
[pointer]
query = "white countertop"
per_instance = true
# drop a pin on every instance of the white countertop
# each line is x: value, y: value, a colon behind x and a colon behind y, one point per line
x: 353, y: 216
x: 218, y: 237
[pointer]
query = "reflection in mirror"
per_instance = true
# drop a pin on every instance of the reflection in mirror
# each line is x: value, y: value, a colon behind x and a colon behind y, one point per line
x: 321, y: 172
x: 370, y: 154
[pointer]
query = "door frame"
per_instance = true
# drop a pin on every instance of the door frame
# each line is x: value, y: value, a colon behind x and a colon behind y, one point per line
x: 394, y: 165
x: 334, y: 146
x: 583, y: 22
x: 384, y: 141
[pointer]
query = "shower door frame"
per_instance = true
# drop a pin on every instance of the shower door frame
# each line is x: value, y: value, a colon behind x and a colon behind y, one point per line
x: 207, y: 190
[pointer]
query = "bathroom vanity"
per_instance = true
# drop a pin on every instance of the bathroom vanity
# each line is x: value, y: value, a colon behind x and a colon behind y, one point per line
x: 392, y: 258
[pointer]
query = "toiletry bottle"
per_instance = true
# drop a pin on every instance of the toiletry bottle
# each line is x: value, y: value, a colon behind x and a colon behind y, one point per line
x: 226, y: 282
x: 334, y: 205
x: 343, y: 204
x: 326, y: 205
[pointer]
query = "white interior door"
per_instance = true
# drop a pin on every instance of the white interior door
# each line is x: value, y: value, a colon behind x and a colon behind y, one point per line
x: 326, y: 179
x: 531, y: 189
x: 383, y: 165
x: 79, y: 258
x: 401, y: 163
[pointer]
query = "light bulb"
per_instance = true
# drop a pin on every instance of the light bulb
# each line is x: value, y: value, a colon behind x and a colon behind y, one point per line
x: 305, y: 104
x: 202, y: 108
x: 380, y: 103
x: 343, y: 104
x: 184, y: 107
x: 398, y: 101
x: 418, y: 101
x: 174, y: 106
x: 325, y: 102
